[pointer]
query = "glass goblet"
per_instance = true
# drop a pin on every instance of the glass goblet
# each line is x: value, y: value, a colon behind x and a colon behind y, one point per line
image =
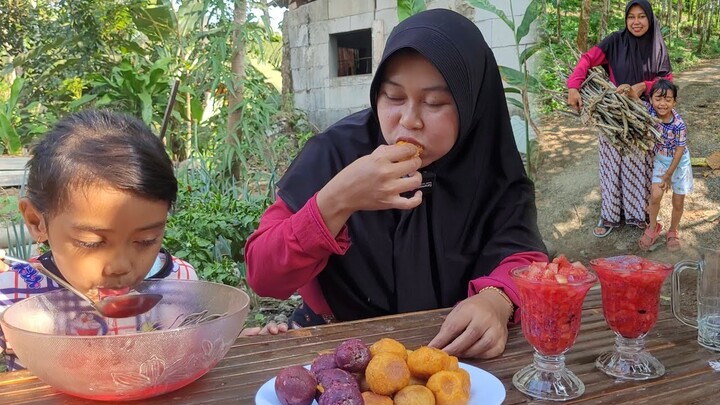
x: 550, y: 319
x: 630, y: 288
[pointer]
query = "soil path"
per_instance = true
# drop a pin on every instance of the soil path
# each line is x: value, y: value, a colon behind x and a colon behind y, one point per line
x: 567, y: 182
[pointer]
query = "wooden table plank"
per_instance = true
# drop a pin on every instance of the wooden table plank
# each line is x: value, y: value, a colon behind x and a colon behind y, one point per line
x: 13, y: 162
x: 12, y: 178
x: 252, y: 361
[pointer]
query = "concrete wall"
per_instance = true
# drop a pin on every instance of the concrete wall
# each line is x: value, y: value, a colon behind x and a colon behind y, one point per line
x: 325, y: 98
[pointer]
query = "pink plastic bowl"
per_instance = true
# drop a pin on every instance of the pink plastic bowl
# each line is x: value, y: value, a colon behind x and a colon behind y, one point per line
x: 61, y: 340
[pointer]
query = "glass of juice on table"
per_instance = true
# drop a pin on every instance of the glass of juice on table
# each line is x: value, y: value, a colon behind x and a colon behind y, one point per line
x: 630, y: 288
x: 552, y: 296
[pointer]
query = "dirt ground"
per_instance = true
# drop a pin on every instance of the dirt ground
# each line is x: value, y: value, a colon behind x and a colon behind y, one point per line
x: 567, y: 182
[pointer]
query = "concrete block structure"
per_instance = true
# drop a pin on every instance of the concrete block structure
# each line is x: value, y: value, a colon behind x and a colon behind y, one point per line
x: 336, y: 45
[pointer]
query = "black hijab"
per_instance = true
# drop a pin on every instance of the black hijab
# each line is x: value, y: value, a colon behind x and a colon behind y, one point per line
x: 636, y: 59
x: 481, y: 207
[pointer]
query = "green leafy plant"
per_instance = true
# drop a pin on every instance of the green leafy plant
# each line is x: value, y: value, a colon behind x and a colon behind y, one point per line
x: 8, y: 134
x: 209, y: 228
x: 135, y: 85
x: 20, y: 243
x: 519, y: 82
x: 406, y: 8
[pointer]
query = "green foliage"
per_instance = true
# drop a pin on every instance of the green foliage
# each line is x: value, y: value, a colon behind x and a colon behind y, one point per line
x: 488, y: 6
x: 136, y: 86
x: 209, y: 228
x: 8, y: 209
x: 9, y: 138
x: 406, y: 8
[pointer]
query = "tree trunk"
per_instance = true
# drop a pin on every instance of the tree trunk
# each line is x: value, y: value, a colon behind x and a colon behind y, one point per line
x: 286, y: 69
x: 235, y: 92
x: 692, y: 17
x: 700, y: 20
x: 604, y: 19
x: 710, y: 23
x: 702, y: 27
x: 663, y: 11
x: 582, y: 35
x: 559, y: 21
x: 679, y: 17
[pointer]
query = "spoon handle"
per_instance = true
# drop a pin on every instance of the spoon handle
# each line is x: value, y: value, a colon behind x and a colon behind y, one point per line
x: 39, y: 267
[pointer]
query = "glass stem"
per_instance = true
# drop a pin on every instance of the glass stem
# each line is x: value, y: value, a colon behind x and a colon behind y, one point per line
x: 551, y: 364
x: 629, y: 345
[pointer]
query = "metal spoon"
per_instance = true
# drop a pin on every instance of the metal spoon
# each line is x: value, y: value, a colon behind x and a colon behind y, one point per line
x: 120, y: 306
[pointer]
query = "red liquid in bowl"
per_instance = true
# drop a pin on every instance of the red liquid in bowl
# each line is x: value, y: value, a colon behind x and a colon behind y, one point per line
x: 630, y: 292
x: 552, y: 304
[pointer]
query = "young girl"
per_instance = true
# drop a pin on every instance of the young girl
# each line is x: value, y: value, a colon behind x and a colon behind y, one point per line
x: 672, y: 167
x: 365, y: 227
x: 99, y: 189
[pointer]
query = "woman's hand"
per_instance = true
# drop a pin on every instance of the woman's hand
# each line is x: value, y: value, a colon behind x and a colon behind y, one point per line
x: 574, y: 99
x: 476, y: 327
x: 271, y: 328
x: 372, y: 182
x: 629, y: 91
x: 639, y: 88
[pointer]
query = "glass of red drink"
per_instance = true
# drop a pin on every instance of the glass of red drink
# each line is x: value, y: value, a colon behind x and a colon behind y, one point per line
x: 630, y: 298
x: 551, y: 297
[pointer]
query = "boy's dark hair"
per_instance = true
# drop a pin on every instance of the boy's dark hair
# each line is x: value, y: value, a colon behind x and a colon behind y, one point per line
x: 663, y: 86
x: 99, y: 146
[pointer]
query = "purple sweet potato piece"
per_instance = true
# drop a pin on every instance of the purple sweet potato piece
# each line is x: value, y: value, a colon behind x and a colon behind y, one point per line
x: 328, y: 378
x: 341, y: 394
x: 352, y: 355
x: 295, y: 385
x: 323, y: 362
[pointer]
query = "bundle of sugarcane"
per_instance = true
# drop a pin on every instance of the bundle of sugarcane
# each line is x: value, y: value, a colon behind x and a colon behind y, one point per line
x: 624, y: 121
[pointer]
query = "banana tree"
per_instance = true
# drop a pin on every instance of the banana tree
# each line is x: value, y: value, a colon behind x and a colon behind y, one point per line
x: 406, y: 8
x: 520, y: 81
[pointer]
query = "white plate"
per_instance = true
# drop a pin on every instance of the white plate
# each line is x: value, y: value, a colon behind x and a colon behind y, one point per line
x: 485, y: 389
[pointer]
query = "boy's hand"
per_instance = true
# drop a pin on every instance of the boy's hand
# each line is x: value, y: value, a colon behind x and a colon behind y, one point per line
x: 665, y: 182
x: 271, y: 328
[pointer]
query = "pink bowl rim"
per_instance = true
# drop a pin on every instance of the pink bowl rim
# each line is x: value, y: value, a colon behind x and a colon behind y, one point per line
x: 5, y: 324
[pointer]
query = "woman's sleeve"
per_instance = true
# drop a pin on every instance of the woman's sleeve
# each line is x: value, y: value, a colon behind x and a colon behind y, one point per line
x: 500, y: 277
x: 288, y: 250
x: 594, y: 57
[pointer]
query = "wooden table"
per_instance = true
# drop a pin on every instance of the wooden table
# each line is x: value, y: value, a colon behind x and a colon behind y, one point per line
x: 251, y: 361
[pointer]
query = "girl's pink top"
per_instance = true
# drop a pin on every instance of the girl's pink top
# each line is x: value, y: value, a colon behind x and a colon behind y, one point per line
x: 596, y: 57
x: 288, y: 251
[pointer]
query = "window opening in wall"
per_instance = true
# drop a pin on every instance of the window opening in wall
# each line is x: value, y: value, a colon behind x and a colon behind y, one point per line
x: 351, y: 52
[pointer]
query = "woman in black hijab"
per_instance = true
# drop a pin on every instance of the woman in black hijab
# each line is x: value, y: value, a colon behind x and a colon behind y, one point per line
x: 634, y: 58
x: 363, y: 227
